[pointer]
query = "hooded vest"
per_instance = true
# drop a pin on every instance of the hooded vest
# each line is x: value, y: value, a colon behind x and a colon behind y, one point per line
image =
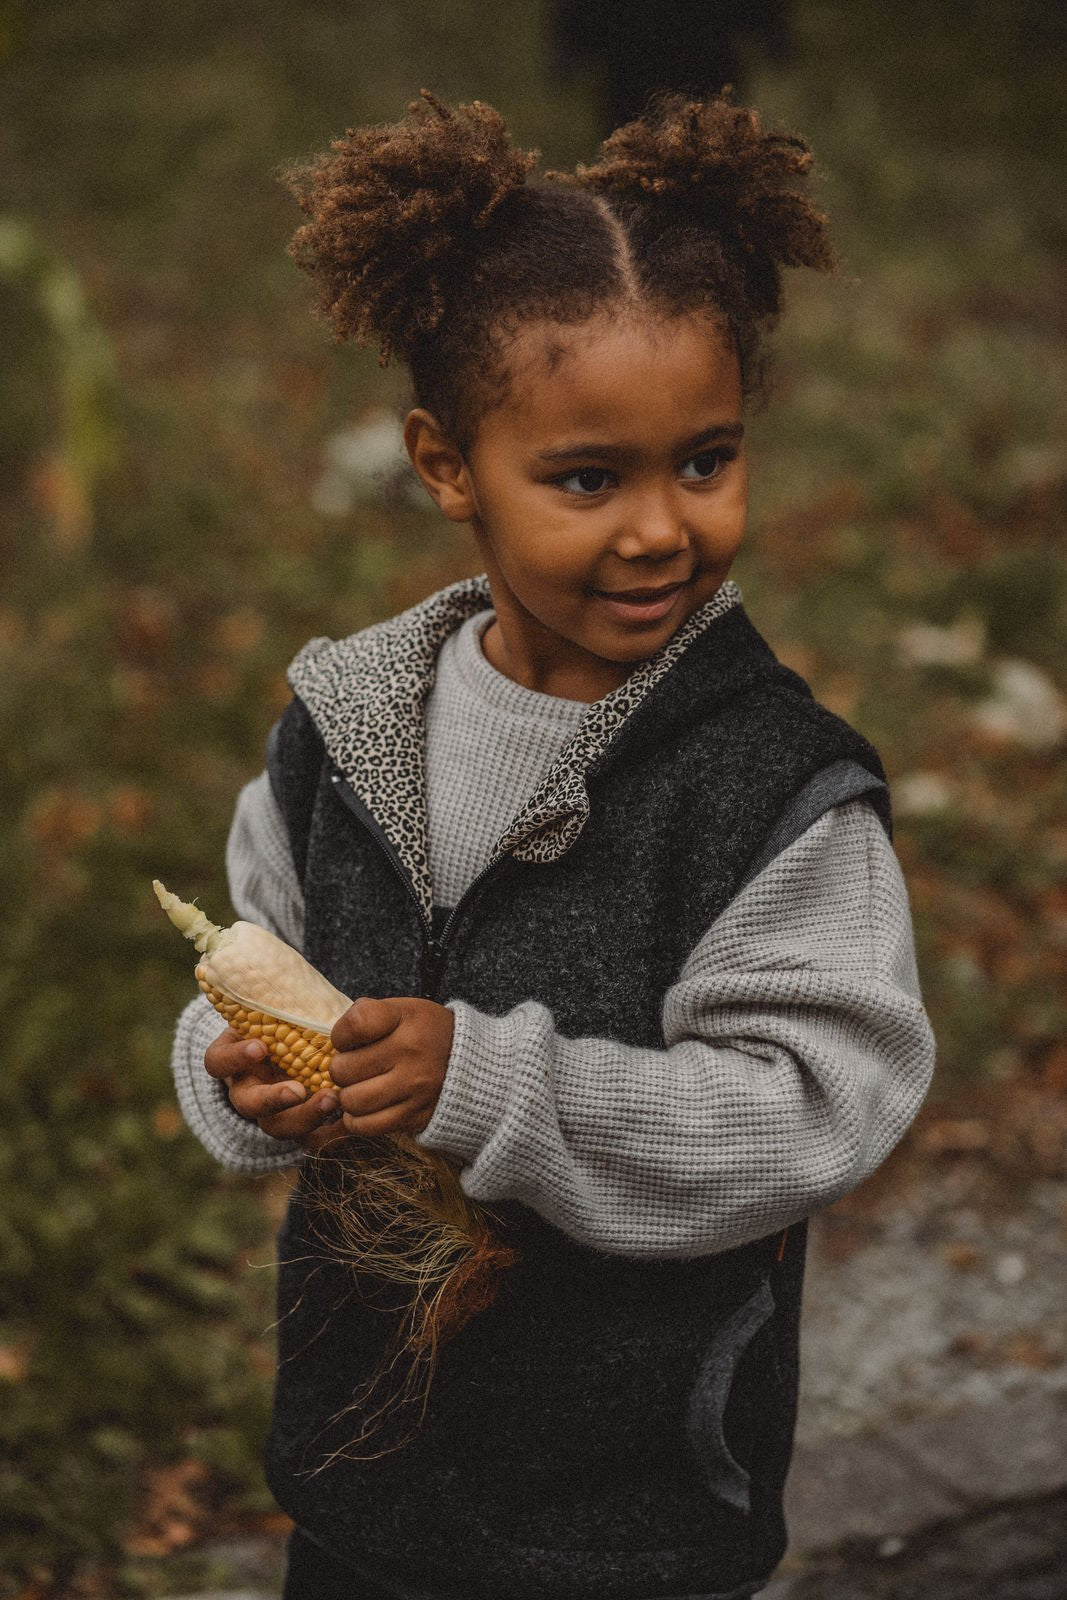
x: 611, y: 1427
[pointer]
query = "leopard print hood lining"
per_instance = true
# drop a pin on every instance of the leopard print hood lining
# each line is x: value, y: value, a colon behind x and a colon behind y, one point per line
x: 367, y: 696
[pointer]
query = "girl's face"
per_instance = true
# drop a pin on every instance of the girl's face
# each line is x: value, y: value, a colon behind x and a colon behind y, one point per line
x: 608, y: 494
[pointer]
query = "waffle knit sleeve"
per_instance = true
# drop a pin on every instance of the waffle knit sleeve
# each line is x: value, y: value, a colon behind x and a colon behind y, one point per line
x: 264, y: 889
x: 796, y: 1053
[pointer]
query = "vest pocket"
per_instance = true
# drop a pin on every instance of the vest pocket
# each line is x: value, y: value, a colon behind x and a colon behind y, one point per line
x: 723, y: 1475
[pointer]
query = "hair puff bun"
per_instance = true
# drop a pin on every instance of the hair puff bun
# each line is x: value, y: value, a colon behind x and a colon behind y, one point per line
x: 396, y: 211
x: 711, y: 164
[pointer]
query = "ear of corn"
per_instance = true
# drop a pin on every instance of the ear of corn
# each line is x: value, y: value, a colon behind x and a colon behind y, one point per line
x: 396, y: 1211
x: 265, y: 990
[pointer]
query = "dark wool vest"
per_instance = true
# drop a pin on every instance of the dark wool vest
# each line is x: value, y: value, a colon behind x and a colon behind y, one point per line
x: 612, y: 1427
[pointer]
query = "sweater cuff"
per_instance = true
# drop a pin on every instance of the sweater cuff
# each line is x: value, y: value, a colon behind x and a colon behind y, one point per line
x: 232, y: 1140
x: 474, y: 1096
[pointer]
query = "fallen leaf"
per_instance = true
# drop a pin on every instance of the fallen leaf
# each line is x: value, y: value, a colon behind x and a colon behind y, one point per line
x: 14, y: 1362
x: 962, y: 1257
x: 167, y: 1122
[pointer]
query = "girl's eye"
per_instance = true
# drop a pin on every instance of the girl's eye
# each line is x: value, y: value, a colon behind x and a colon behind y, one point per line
x: 707, y: 464
x: 587, y: 480
x: 701, y: 468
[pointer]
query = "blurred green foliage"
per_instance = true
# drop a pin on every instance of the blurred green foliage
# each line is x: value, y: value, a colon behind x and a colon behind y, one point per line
x: 165, y: 401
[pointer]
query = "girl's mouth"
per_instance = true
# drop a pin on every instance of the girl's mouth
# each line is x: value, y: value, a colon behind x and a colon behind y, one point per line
x: 641, y: 605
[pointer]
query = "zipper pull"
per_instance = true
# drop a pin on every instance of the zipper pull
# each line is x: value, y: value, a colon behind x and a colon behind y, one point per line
x: 431, y: 966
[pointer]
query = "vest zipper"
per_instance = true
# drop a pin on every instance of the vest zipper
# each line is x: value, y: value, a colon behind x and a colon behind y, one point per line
x: 433, y: 949
x: 359, y: 810
x: 437, y: 946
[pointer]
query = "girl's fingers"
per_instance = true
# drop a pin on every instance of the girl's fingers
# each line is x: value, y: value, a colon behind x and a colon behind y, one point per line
x: 374, y: 1094
x: 314, y: 1120
x: 365, y: 1023
x: 363, y: 1066
x: 297, y: 1122
x: 404, y: 1117
x: 229, y: 1055
x: 326, y: 1133
x: 261, y: 1092
x: 254, y: 1100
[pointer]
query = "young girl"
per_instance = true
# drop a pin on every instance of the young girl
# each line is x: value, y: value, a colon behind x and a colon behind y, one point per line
x: 617, y: 894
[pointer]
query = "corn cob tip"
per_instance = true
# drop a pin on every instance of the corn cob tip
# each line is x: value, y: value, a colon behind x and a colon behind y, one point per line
x: 190, y: 920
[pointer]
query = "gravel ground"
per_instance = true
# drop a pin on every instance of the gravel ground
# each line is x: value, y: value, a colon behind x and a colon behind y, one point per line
x: 932, y: 1436
x: 939, y: 1301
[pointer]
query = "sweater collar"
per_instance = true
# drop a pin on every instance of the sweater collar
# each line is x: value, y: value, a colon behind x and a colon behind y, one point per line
x: 367, y: 696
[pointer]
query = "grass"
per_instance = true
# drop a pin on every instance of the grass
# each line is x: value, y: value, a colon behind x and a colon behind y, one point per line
x: 166, y: 401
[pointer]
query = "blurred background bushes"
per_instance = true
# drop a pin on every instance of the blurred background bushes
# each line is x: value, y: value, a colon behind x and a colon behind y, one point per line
x: 188, y: 492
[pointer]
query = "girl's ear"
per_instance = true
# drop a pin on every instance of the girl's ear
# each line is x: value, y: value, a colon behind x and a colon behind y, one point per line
x: 440, y: 464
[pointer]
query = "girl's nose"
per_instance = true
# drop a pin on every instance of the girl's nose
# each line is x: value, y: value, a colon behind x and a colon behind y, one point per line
x: 654, y: 528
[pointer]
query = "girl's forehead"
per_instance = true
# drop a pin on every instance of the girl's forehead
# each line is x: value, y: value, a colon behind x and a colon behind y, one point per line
x: 616, y: 371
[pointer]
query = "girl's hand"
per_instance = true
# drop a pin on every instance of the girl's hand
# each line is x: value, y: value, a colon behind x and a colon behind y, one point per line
x: 390, y: 1063
x: 261, y: 1092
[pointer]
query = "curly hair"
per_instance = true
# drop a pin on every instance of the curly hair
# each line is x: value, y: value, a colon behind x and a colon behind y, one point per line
x: 426, y: 236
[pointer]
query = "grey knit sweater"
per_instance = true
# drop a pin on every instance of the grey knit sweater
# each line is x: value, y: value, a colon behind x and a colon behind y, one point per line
x: 796, y: 1048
